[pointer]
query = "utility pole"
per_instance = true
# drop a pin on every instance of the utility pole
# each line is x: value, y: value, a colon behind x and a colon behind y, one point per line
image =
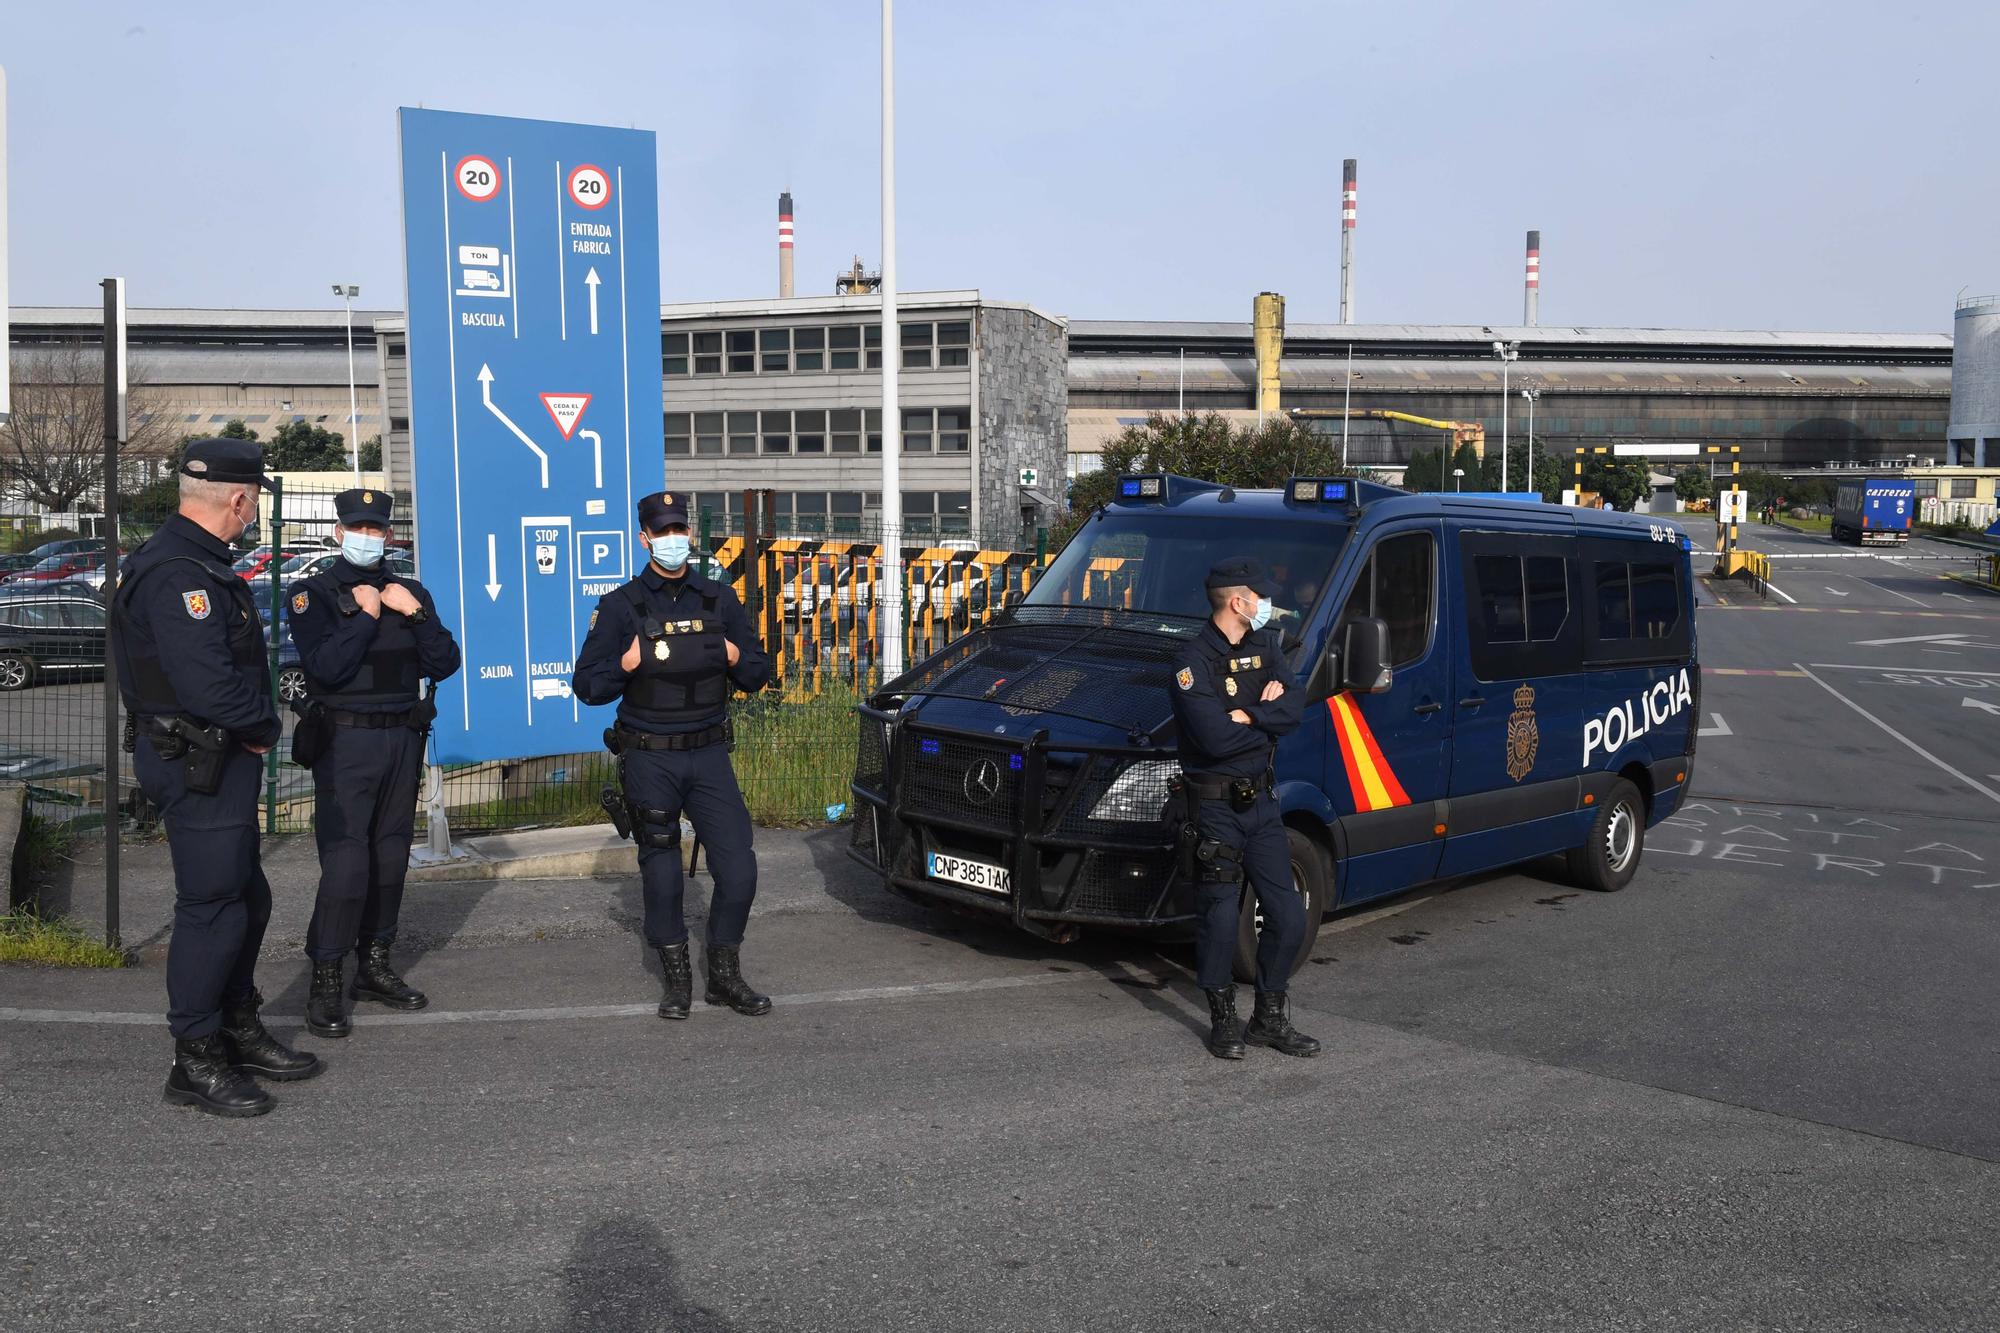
x: 892, y: 356
x: 347, y: 291
x: 114, y: 442
x: 1506, y: 351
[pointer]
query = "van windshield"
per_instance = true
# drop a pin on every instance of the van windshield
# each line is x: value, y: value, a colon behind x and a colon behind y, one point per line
x: 1157, y: 561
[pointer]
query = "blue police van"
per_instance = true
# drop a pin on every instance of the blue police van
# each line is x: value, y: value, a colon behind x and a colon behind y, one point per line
x: 1488, y: 681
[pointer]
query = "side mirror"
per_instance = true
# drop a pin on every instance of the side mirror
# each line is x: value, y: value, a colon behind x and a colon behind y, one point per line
x: 1011, y: 600
x: 1364, y: 656
x: 1325, y: 680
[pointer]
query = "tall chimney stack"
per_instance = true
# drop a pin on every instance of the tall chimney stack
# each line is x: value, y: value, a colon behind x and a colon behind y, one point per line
x: 1531, y: 300
x: 785, y: 244
x: 1347, y: 241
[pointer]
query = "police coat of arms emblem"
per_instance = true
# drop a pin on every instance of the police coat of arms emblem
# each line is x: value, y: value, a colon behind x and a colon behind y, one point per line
x: 1523, y: 736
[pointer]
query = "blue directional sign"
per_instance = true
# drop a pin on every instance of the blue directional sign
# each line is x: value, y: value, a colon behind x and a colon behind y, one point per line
x: 532, y: 256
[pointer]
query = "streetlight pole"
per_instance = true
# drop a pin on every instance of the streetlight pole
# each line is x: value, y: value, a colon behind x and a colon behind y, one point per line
x: 1506, y: 352
x: 1457, y: 479
x: 347, y: 291
x: 1531, y: 394
x: 892, y: 356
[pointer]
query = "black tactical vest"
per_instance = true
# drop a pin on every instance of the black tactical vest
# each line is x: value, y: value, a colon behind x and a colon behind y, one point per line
x: 152, y: 693
x: 389, y: 674
x: 680, y: 677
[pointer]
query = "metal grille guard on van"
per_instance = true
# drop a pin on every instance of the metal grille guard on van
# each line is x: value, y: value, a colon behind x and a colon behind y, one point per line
x: 1038, y: 800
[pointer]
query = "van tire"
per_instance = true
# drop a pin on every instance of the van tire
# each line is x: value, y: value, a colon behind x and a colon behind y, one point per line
x: 1607, y: 862
x: 1310, y: 874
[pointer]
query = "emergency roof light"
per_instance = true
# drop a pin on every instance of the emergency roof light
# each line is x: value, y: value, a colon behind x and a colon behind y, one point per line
x: 1342, y: 492
x: 1150, y: 488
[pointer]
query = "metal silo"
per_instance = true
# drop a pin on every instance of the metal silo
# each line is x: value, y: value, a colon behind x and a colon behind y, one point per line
x: 1974, y: 433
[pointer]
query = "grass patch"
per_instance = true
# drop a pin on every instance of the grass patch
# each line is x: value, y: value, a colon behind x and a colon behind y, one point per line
x: 1817, y: 523
x: 45, y: 844
x: 28, y: 938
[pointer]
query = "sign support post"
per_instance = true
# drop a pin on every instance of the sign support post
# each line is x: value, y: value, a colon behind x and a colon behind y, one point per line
x: 114, y: 441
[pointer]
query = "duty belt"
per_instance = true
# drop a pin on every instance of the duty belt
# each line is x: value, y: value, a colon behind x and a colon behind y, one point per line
x: 368, y: 721
x: 630, y: 738
x: 1218, y: 789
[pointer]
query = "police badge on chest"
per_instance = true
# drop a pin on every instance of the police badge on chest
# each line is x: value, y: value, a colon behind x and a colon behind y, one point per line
x: 660, y: 649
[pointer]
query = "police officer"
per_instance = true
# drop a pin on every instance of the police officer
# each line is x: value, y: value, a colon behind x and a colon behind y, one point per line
x: 367, y: 641
x: 668, y: 646
x: 1234, y: 696
x: 191, y: 664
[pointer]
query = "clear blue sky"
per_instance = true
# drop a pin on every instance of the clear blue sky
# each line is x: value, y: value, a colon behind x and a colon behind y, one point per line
x: 1746, y: 164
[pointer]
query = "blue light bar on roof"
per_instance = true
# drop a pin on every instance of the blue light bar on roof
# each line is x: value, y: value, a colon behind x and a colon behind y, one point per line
x: 1143, y: 488
x: 1321, y: 491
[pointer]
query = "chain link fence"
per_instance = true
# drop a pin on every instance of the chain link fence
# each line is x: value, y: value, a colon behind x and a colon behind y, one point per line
x: 818, y: 600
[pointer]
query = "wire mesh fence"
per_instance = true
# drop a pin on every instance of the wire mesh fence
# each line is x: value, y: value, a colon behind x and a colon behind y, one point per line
x: 818, y: 600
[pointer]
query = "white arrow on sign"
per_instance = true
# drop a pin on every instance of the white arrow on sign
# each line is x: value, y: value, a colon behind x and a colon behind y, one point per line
x: 1720, y: 728
x: 1969, y: 702
x: 596, y: 452
x: 492, y: 568
x: 486, y: 396
x: 591, y: 280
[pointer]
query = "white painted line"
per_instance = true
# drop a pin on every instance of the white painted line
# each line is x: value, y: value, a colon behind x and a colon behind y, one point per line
x: 1970, y: 781
x: 1781, y: 592
x: 1720, y: 728
x: 1837, y: 592
x: 1925, y: 669
x: 1366, y: 918
x: 1914, y: 601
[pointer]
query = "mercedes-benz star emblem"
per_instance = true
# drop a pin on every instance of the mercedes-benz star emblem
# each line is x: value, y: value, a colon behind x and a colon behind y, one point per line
x: 982, y: 782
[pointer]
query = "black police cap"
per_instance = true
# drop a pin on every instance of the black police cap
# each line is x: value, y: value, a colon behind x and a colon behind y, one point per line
x: 363, y: 505
x: 662, y: 509
x: 239, y: 462
x: 1242, y: 572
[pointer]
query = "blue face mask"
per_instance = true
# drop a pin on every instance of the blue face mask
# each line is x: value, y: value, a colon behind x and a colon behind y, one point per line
x: 363, y: 550
x: 671, y: 551
x: 1263, y: 616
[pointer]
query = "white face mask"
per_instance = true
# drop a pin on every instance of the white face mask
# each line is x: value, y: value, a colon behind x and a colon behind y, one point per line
x: 671, y: 550
x: 362, y: 549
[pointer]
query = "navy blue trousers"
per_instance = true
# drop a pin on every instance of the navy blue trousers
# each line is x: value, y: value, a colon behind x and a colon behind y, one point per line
x: 702, y: 784
x: 222, y: 902
x: 366, y: 784
x: 1259, y: 834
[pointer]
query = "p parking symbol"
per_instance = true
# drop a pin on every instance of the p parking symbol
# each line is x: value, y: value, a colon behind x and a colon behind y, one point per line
x: 600, y: 556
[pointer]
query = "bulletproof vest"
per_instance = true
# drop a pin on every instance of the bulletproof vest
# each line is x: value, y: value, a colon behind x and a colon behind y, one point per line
x: 389, y: 674
x: 680, y: 677
x: 148, y: 690
x: 1239, y: 674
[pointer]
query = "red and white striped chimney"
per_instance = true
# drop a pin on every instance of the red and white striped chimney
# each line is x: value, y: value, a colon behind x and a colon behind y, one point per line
x: 785, y: 243
x: 1531, y: 300
x: 1347, y: 241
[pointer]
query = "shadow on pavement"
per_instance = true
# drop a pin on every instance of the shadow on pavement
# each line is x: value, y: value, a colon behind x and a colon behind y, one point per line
x: 621, y: 1275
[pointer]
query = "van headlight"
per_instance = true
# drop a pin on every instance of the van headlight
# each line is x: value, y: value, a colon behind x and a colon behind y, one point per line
x: 1139, y: 795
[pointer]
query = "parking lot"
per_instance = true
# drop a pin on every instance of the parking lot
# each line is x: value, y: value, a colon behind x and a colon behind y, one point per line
x: 1753, y: 1090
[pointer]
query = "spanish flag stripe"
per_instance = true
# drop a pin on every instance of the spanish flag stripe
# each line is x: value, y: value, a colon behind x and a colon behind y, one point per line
x: 1355, y: 785
x: 1397, y: 796
x: 1370, y: 792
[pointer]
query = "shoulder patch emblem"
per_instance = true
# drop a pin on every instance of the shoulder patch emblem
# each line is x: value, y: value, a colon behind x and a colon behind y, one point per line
x: 1184, y: 678
x: 300, y: 601
x: 196, y: 603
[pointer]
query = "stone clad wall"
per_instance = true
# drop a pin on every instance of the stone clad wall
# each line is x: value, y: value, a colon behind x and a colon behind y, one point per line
x: 1023, y: 415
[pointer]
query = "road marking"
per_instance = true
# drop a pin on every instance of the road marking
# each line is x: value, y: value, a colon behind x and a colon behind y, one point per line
x: 1969, y: 702
x: 1749, y: 671
x: 1772, y: 587
x: 1720, y: 728
x: 1970, y: 781
x: 1891, y: 591
x: 1835, y: 591
x: 1920, y: 670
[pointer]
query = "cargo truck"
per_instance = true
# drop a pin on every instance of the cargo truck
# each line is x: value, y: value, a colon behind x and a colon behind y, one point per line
x: 1874, y: 511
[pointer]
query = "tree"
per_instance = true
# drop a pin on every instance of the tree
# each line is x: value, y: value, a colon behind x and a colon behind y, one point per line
x: 1693, y: 484
x: 1622, y: 482
x: 300, y: 446
x: 371, y: 454
x: 52, y: 449
x: 1209, y: 448
x: 1425, y: 471
x: 1551, y: 475
x: 233, y: 429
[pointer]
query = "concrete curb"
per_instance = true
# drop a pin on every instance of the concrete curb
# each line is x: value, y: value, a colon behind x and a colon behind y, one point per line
x: 591, y: 852
x: 13, y: 822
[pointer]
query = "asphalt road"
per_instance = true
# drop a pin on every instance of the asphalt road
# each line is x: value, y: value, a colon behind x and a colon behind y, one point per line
x: 1754, y: 1090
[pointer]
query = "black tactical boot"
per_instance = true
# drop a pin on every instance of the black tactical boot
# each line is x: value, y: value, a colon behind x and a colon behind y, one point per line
x: 255, y: 1051
x: 1270, y: 1027
x: 202, y: 1077
x: 726, y: 984
x: 375, y: 980
x: 326, y: 1013
x: 678, y: 971
x: 1225, y: 1029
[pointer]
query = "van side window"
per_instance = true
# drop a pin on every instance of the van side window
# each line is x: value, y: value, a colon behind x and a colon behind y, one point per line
x: 1636, y: 607
x: 1521, y: 619
x: 1399, y: 587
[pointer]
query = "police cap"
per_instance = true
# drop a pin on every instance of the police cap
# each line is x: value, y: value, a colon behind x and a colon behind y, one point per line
x: 234, y: 462
x: 363, y: 505
x: 663, y: 509
x: 1242, y: 572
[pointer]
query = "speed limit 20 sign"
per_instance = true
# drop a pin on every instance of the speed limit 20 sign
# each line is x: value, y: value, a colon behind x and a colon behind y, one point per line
x: 478, y: 179
x: 589, y: 187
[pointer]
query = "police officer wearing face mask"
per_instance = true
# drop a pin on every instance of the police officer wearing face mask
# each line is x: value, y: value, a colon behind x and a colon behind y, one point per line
x: 367, y: 641
x: 190, y: 655
x: 1233, y: 697
x: 669, y: 647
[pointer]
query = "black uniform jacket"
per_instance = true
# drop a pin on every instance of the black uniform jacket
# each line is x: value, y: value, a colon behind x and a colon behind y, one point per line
x: 1213, y: 678
x: 332, y: 645
x: 599, y: 679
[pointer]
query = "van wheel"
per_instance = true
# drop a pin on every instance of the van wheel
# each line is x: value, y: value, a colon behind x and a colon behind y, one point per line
x: 1607, y: 862
x: 1310, y: 877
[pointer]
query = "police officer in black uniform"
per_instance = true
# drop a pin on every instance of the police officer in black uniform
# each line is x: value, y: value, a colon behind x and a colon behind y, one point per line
x: 367, y: 641
x: 669, y: 646
x: 190, y: 656
x: 1234, y: 696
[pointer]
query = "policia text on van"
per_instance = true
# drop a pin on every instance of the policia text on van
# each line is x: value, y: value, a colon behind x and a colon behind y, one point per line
x: 1487, y: 681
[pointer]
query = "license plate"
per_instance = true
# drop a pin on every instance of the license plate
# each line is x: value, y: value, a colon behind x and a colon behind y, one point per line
x: 972, y: 874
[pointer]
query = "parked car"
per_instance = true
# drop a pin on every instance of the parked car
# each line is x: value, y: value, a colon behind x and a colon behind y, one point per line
x: 66, y: 545
x: 304, y: 566
x: 55, y: 568
x: 10, y: 563
x: 291, y: 676
x: 51, y: 634
x: 252, y: 563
